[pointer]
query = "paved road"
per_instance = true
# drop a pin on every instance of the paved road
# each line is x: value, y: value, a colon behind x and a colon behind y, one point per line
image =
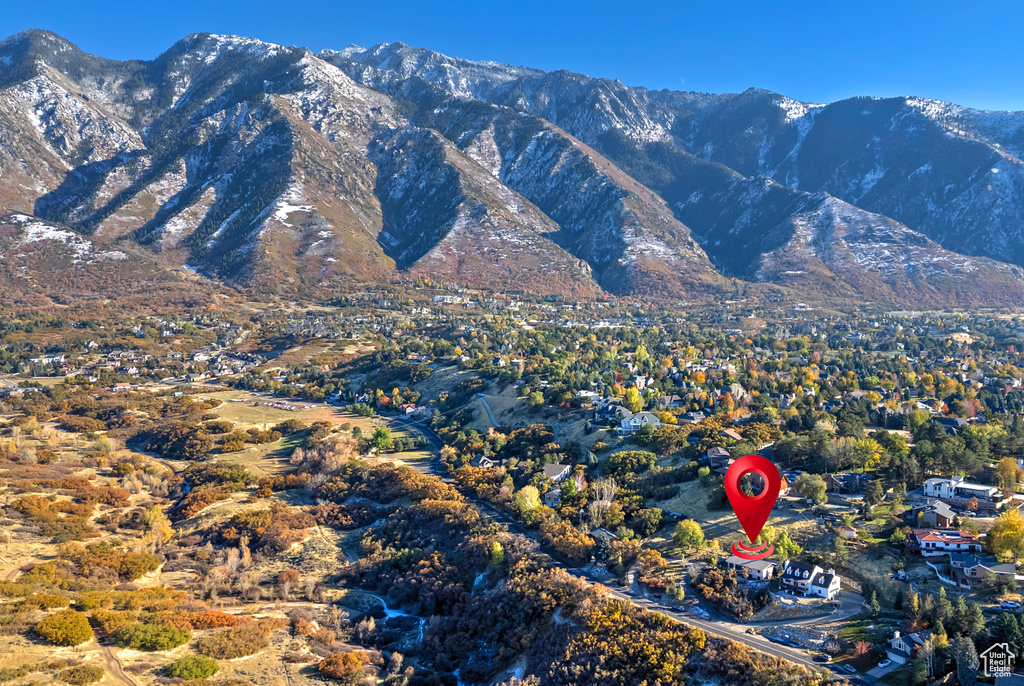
x: 730, y: 630
x: 490, y: 415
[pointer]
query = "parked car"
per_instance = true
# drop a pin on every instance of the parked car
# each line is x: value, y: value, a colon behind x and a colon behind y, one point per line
x: 884, y: 663
x: 823, y: 658
x: 1010, y: 605
x: 849, y: 669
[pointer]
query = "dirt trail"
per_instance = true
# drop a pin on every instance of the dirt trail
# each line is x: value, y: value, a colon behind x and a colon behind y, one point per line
x: 13, y: 573
x: 115, y: 668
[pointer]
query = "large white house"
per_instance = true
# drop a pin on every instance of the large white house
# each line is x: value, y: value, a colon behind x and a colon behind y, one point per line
x: 803, y: 577
x: 957, y: 488
x: 632, y: 423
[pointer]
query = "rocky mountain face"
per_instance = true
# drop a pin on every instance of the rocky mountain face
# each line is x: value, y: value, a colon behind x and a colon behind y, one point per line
x: 279, y: 170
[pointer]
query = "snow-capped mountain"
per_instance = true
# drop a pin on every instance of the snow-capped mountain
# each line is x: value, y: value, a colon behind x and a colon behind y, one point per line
x: 276, y: 169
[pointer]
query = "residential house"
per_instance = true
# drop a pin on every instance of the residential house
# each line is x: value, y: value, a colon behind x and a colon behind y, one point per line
x: 641, y: 381
x: 755, y: 569
x: 483, y: 461
x: 603, y: 536
x: 757, y: 483
x: 845, y: 483
x: 611, y: 413
x: 553, y: 497
x: 826, y: 585
x: 557, y: 472
x: 933, y: 542
x: 808, y: 579
x: 730, y: 433
x: 956, y: 489
x: 635, y: 422
x: 847, y: 531
x: 903, y: 648
x: 970, y: 569
x: 952, y: 425
x: 718, y: 456
x: 936, y: 514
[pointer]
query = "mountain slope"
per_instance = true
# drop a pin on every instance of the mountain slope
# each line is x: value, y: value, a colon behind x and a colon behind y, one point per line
x: 623, y: 231
x: 737, y: 218
x: 949, y: 172
x: 281, y: 171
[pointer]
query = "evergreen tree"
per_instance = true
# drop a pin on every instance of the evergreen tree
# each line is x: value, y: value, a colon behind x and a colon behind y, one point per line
x: 966, y: 660
x: 974, y: 621
x: 957, y: 624
x: 943, y: 608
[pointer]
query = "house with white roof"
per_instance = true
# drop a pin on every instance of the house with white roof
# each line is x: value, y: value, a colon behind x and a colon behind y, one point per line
x: 755, y: 569
x: 958, y: 489
x: 557, y: 472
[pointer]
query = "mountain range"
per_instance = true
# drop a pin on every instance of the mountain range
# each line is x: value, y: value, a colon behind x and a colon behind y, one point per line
x: 282, y: 171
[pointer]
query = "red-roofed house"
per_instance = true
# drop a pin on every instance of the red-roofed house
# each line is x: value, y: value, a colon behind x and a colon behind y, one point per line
x: 941, y: 541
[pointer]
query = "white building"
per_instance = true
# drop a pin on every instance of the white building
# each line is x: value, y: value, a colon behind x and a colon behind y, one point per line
x: 634, y: 422
x: 934, y: 542
x: 957, y: 488
x: 557, y: 472
x: 808, y: 579
x: 756, y: 569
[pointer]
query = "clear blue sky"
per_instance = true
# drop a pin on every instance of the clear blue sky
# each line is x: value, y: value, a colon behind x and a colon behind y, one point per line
x: 965, y: 52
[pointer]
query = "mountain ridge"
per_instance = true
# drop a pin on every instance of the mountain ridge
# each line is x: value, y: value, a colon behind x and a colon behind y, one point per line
x: 280, y: 170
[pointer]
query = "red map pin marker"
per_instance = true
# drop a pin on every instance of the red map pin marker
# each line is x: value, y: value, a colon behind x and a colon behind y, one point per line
x: 753, y: 511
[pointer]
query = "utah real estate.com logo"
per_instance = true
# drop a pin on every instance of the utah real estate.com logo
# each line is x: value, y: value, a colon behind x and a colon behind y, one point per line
x: 997, y: 660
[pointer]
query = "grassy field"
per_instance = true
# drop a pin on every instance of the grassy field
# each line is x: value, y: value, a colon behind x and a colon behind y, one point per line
x: 249, y: 410
x: 692, y: 501
x: 319, y: 352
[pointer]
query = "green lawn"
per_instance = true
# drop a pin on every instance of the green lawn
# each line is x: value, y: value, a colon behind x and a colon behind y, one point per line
x: 901, y: 677
x: 856, y: 629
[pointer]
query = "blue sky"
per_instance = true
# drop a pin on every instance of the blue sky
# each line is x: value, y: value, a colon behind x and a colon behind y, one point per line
x: 964, y: 52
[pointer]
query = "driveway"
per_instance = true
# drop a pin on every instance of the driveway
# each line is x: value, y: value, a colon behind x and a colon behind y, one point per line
x: 879, y: 672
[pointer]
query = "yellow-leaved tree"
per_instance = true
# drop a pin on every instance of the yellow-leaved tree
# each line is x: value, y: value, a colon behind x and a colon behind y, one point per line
x: 1006, y: 537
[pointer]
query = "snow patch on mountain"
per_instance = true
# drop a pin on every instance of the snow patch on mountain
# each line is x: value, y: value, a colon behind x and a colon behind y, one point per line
x: 796, y: 110
x: 82, y: 249
x: 290, y: 202
x: 69, y: 126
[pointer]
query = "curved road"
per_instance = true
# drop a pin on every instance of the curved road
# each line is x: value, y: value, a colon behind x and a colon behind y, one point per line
x: 487, y: 408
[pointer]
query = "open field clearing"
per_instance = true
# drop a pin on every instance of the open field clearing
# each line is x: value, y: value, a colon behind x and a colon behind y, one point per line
x: 248, y: 410
x: 692, y: 501
x: 324, y: 352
